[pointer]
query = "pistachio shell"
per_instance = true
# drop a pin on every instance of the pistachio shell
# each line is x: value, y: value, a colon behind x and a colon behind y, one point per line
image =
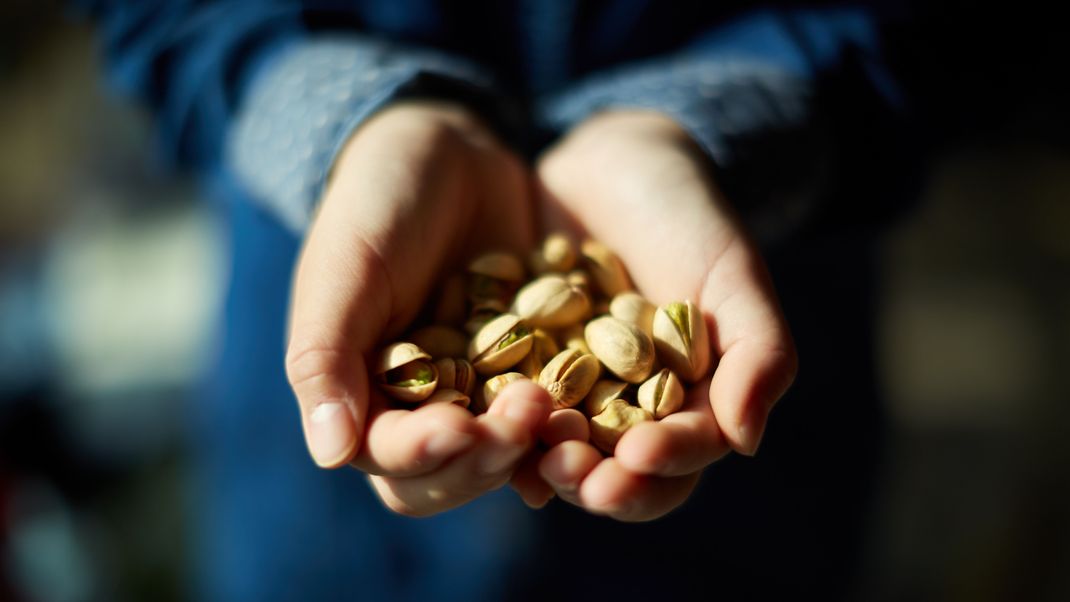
x: 569, y: 377
x: 543, y: 349
x: 557, y: 254
x: 498, y: 265
x: 681, y: 340
x: 661, y: 394
x: 624, y: 349
x: 440, y: 341
x: 581, y: 280
x: 495, y: 384
x: 601, y: 394
x: 605, y: 268
x: 406, y: 373
x: 482, y: 312
x: 634, y: 309
x: 448, y: 396
x: 456, y: 374
x: 610, y: 425
x: 499, y: 345
x: 550, y: 302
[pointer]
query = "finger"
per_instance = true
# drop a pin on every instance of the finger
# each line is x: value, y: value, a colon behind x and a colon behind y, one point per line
x: 679, y: 444
x: 532, y: 489
x: 613, y: 490
x: 525, y: 403
x: 566, y: 465
x: 485, y: 467
x: 410, y: 442
x: 758, y: 361
x: 565, y: 425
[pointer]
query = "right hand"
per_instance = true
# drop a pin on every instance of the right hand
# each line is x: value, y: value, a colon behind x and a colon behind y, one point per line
x: 418, y: 188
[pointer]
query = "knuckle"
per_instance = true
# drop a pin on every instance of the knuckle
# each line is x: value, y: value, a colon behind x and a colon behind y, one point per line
x: 304, y: 365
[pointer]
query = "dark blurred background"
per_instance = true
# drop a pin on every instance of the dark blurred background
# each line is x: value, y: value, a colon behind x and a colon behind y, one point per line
x: 110, y: 276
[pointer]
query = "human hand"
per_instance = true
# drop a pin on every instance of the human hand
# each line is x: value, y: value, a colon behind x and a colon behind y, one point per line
x: 418, y: 188
x: 636, y: 182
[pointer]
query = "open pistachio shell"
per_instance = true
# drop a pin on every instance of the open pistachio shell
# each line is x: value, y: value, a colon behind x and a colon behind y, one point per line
x: 610, y: 425
x: 440, y: 341
x: 681, y: 340
x: 661, y: 394
x: 569, y: 377
x: 456, y: 374
x: 605, y: 268
x: 551, y: 302
x: 405, y: 372
x: 624, y: 349
x: 499, y: 345
x: 601, y: 394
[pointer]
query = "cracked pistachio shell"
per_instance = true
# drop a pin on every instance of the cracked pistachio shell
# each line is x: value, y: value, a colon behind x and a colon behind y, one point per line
x: 605, y: 268
x: 405, y: 372
x: 661, y: 394
x: 499, y: 345
x: 440, y: 341
x: 543, y: 349
x: 681, y: 340
x: 624, y: 349
x: 557, y: 254
x: 456, y: 374
x: 572, y: 337
x: 634, y: 309
x: 448, y: 396
x: 601, y: 394
x: 569, y: 377
x: 482, y: 312
x: 551, y: 302
x: 610, y: 425
x: 499, y: 266
x: 495, y: 384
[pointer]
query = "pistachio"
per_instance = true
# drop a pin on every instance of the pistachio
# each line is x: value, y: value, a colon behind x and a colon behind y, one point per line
x: 482, y: 312
x: 569, y: 377
x: 601, y: 394
x: 634, y: 309
x: 611, y: 423
x: 661, y: 394
x: 456, y: 374
x: 448, y: 396
x: 499, y: 344
x: 572, y: 337
x: 440, y: 341
x: 681, y: 340
x: 556, y: 255
x: 581, y: 280
x: 621, y: 347
x: 498, y: 266
x: 406, y: 373
x: 495, y: 384
x: 551, y: 302
x: 543, y: 349
x: 605, y: 268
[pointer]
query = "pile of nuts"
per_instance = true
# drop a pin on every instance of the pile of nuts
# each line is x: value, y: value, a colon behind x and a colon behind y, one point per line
x: 577, y: 329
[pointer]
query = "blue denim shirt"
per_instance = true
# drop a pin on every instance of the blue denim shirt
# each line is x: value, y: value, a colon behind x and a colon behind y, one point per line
x: 791, y: 105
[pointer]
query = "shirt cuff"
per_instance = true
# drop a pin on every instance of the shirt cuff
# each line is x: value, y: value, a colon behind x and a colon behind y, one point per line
x: 305, y: 102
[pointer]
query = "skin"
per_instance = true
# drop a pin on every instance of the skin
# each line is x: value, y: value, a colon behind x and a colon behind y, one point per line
x: 422, y: 186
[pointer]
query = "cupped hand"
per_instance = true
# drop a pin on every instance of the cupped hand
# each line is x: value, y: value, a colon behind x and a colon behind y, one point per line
x: 636, y: 182
x: 417, y: 189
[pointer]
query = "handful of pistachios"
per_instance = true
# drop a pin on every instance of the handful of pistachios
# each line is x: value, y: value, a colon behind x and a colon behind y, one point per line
x: 575, y: 327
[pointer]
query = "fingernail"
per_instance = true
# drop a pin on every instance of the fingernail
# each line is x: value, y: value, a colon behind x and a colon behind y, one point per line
x: 752, y: 429
x: 331, y: 434
x: 447, y: 443
x: 498, y: 458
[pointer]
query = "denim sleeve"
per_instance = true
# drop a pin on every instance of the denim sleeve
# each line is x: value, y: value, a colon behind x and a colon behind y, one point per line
x: 775, y: 100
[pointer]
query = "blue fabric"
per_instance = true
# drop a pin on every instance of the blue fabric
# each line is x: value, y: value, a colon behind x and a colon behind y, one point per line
x: 259, y: 95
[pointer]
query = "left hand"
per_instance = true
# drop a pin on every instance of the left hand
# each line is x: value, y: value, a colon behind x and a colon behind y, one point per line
x: 635, y: 181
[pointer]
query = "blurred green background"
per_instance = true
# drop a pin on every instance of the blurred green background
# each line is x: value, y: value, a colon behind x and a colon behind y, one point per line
x: 110, y: 277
